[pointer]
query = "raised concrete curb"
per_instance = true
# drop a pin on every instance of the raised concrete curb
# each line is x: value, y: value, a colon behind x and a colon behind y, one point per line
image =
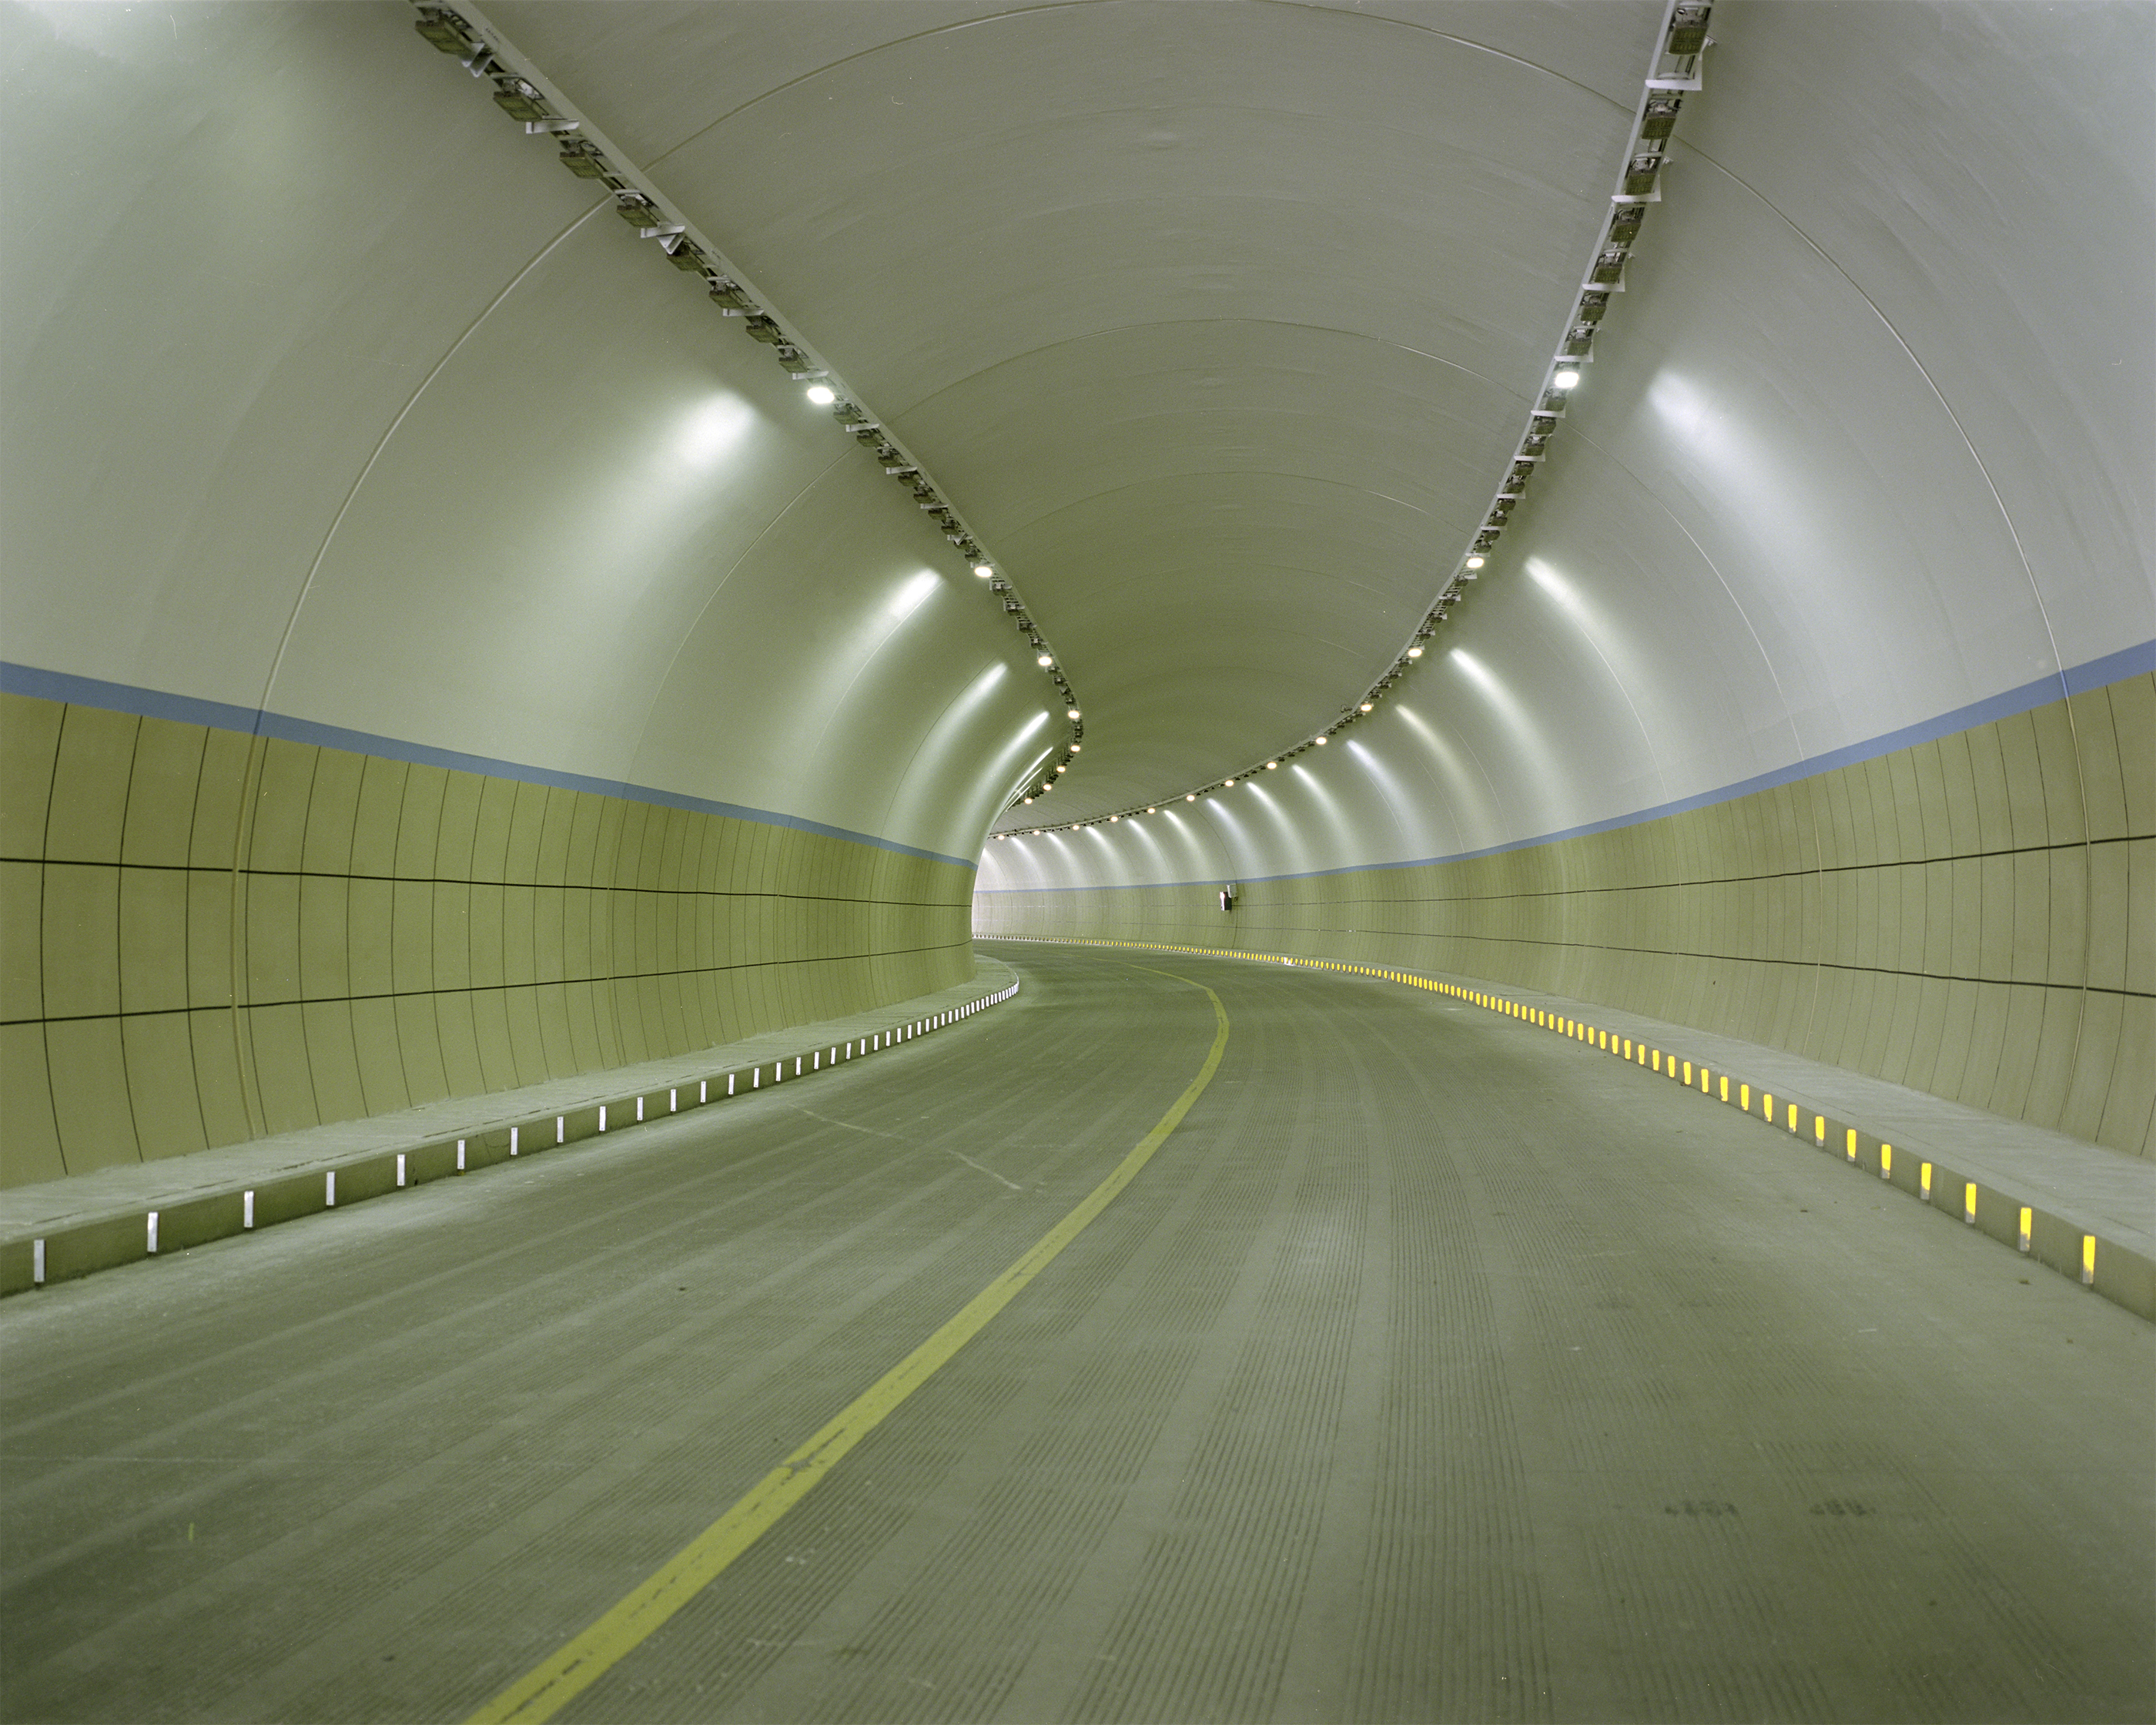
x: 2081, y: 1210
x: 65, y: 1229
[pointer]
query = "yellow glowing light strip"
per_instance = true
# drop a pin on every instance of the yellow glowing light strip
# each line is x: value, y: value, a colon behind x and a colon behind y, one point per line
x: 1638, y: 1053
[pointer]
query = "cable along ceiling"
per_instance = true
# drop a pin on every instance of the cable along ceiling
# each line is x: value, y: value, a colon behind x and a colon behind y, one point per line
x: 587, y: 154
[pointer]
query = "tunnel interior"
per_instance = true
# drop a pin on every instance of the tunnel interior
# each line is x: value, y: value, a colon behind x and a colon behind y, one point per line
x: 559, y: 552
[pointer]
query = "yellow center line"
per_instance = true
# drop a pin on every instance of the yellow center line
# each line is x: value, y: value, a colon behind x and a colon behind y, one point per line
x: 550, y: 1686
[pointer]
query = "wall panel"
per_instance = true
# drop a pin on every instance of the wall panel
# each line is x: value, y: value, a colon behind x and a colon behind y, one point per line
x: 405, y: 933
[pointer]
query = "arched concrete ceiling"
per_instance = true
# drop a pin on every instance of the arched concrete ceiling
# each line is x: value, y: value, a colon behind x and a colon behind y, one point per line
x: 1217, y: 321
x: 1220, y: 323
x: 1868, y: 445
x: 329, y: 397
x: 327, y: 392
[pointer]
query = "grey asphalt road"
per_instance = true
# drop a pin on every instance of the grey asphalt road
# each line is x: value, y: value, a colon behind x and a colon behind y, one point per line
x: 1433, y: 1368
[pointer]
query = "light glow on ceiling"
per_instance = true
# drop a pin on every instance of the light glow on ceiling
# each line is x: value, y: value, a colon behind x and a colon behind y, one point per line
x: 710, y: 430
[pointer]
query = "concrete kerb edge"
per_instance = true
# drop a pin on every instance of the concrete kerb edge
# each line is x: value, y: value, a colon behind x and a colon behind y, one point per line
x: 2106, y: 1266
x: 31, y: 1260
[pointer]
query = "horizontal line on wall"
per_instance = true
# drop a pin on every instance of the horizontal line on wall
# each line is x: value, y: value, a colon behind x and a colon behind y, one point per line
x: 1671, y: 952
x: 568, y: 981
x: 2074, y: 845
x: 226, y: 873
x: 257, y: 721
x: 2078, y: 680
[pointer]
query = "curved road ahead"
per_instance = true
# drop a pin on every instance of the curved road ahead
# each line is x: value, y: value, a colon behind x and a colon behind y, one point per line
x: 1430, y: 1367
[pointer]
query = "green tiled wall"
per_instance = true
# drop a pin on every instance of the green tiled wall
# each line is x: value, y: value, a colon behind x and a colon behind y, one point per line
x: 1974, y: 916
x: 206, y: 937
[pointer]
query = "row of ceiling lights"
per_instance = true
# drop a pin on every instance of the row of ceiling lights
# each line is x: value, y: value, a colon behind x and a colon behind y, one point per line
x: 523, y: 100
x: 1676, y: 70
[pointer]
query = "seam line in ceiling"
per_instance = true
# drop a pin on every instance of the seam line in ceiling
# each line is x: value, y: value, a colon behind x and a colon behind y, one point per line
x: 1017, y: 12
x: 381, y: 443
x: 1172, y: 323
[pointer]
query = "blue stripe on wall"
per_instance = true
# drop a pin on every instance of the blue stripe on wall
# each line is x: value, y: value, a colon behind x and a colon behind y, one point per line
x: 2079, y: 680
x: 188, y: 710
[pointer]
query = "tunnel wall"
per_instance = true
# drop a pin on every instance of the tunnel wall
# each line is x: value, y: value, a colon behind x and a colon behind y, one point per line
x: 210, y: 935
x: 1973, y: 915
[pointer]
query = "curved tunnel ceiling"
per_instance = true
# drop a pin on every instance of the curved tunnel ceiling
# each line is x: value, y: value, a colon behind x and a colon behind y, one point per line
x: 1220, y: 323
x: 1217, y: 322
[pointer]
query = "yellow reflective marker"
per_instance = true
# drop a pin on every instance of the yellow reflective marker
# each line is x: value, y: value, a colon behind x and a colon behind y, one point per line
x: 1687, y: 1079
x: 1850, y: 1142
x: 1924, y: 1181
x: 1968, y: 1202
x: 2026, y: 1218
x: 2088, y: 1261
x: 560, y: 1678
x: 1886, y: 1161
x: 1725, y: 1087
x: 1766, y: 1106
x: 1658, y: 1060
x: 1793, y: 1116
x: 1818, y: 1131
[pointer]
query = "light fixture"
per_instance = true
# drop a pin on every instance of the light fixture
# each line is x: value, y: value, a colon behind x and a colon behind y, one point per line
x: 1567, y: 379
x: 984, y: 570
x: 1190, y: 796
x: 1077, y: 748
x: 1229, y: 785
x: 1046, y: 659
x: 1319, y: 741
x: 1414, y: 652
x: 1062, y: 766
x: 1270, y: 765
x: 1368, y: 704
x: 1028, y: 799
x: 1072, y: 714
x: 1476, y: 562
x: 822, y: 394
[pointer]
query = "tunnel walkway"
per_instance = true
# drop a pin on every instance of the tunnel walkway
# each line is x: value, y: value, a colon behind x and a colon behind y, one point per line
x: 1426, y: 1371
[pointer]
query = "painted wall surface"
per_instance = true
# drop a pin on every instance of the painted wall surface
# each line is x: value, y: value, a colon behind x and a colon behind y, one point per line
x: 1974, y: 916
